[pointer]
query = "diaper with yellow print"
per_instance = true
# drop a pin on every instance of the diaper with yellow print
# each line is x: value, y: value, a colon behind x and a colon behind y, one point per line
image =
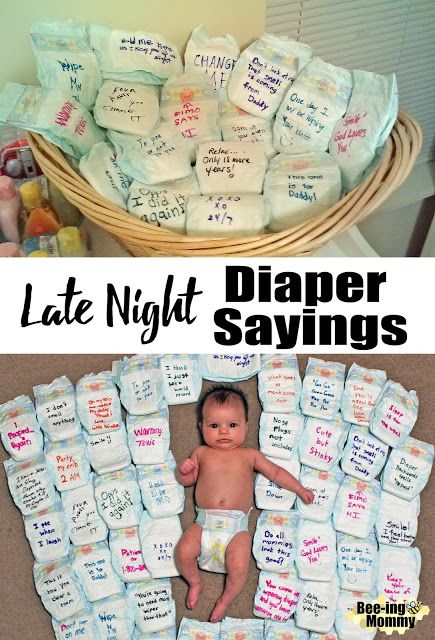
x: 218, y: 528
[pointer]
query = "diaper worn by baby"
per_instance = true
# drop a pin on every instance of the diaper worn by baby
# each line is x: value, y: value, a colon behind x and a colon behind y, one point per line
x: 152, y: 604
x: 118, y: 498
x: 59, y: 588
x: 162, y: 495
x: 218, y: 529
x: 356, y: 506
x: 236, y: 629
x: 56, y: 409
x: 159, y: 537
x: 127, y: 558
x: 364, y: 455
x: 98, y: 405
x: 108, y: 451
x: 194, y: 630
x: 316, y: 554
x: 317, y: 605
x: 19, y: 429
x: 92, y: 565
x: 279, y: 384
x: 148, y: 437
x: 30, y: 485
x: 361, y: 391
x: 140, y: 384
x: 277, y: 595
x: 279, y: 434
x: 47, y: 533
x: 269, y: 495
x: 357, y: 562
x: 181, y: 378
x: 68, y: 463
x: 324, y: 485
x: 322, y: 389
x: 84, y: 523
x: 273, y: 545
x: 322, y: 441
x: 408, y: 468
x: 229, y: 368
x: 397, y: 520
x: 399, y: 571
x: 394, y: 414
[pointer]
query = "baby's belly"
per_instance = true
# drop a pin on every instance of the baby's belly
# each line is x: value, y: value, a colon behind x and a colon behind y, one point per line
x: 229, y: 495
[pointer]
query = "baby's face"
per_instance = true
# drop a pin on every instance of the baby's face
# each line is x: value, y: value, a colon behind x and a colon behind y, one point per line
x: 224, y: 426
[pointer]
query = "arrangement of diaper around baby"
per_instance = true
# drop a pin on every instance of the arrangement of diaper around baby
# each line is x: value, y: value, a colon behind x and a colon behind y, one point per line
x: 219, y: 143
x: 337, y: 477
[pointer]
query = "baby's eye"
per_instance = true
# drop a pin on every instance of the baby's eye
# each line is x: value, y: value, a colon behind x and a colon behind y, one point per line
x: 233, y: 424
x: 213, y: 425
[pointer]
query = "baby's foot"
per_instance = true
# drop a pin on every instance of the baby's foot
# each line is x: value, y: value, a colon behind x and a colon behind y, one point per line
x: 193, y: 595
x: 219, y: 610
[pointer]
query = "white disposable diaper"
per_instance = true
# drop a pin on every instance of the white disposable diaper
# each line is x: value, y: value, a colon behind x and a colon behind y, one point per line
x: 56, y: 409
x: 329, y: 635
x: 397, y: 520
x: 140, y: 384
x: 279, y: 384
x: 127, y: 107
x: 279, y: 434
x: 284, y: 631
x: 59, y: 588
x: 369, y: 117
x: 30, y: 485
x: 269, y: 495
x: 68, y: 463
x: 219, y: 527
x: 322, y: 388
x: 108, y: 451
x: 159, y: 537
x: 152, y: 604
x: 194, y: 630
x: 84, y: 523
x: 127, y: 558
x: 240, y: 126
x: 273, y: 546
x: 324, y: 485
x: 277, y: 595
x: 399, y: 571
x: 408, y: 469
x: 361, y: 391
x: 148, y: 437
x: 47, y: 534
x: 162, y: 495
x: 229, y: 368
x: 114, y: 618
x: 364, y: 455
x: 92, y: 565
x: 263, y: 73
x: 357, y: 562
x: 236, y: 629
x: 226, y: 215
x: 230, y: 167
x: 165, y: 634
x: 356, y: 506
x: 181, y: 378
x: 147, y: 56
x: 101, y: 170
x: 394, y: 414
x: 322, y: 441
x: 81, y: 625
x: 98, y: 405
x: 317, y: 605
x: 316, y: 554
x: 118, y: 498
x: 163, y: 205
x: 19, y: 429
x: 346, y: 627
x: 311, y: 107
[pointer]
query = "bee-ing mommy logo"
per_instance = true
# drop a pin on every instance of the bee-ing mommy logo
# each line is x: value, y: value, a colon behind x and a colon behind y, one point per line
x: 388, y: 616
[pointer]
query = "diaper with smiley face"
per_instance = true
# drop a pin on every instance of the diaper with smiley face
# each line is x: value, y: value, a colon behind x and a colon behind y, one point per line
x: 218, y: 529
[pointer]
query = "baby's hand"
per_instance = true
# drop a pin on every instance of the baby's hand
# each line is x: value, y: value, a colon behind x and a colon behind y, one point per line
x: 306, y: 495
x: 187, y: 466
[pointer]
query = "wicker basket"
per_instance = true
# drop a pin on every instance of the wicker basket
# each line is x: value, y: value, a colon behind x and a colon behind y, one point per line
x: 142, y: 239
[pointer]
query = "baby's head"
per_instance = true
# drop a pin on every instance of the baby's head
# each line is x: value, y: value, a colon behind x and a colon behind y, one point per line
x: 223, y: 417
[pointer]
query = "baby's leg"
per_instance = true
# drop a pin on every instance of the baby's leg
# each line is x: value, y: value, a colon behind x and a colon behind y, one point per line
x: 237, y: 557
x: 186, y: 553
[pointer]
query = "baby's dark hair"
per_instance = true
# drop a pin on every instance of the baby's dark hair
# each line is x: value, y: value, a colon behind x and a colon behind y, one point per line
x: 221, y: 394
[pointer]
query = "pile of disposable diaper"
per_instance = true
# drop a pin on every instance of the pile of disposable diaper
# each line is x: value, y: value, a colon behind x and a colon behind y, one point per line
x: 93, y: 476
x: 221, y: 144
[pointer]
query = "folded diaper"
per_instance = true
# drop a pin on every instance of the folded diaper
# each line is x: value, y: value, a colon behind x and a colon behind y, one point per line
x: 394, y: 414
x: 408, y: 469
x: 356, y: 506
x: 274, y: 546
x: 357, y: 562
x: 101, y: 170
x: 118, y: 498
x: 19, y: 429
x: 128, y: 107
x: 59, y: 588
x: 322, y: 441
x: 329, y: 635
x: 65, y: 59
x: 114, y: 618
x: 84, y: 523
x: 316, y: 554
x: 164, y: 634
x: 397, y: 520
x: 55, y: 115
x: 364, y: 455
x: 279, y: 384
x: 263, y: 73
x: 279, y: 434
x: 68, y: 463
x: 277, y: 595
x: 399, y: 571
x: 148, y: 437
x: 108, y: 451
x: 284, y: 631
x: 269, y: 495
x: 30, y: 485
x: 92, y: 565
x: 230, y: 167
x: 346, y: 627
x: 226, y: 215
x: 127, y: 558
x: 159, y: 537
x: 317, y: 605
x: 229, y: 368
x: 98, y: 405
x: 56, y: 409
x: 240, y: 126
x: 162, y: 495
x: 322, y: 389
x: 193, y: 629
x: 312, y: 105
x: 163, y: 205
x: 182, y: 380
x: 140, y: 384
x: 47, y: 533
x: 238, y: 629
x: 324, y: 485
x: 152, y: 604
x: 361, y: 391
x: 81, y: 625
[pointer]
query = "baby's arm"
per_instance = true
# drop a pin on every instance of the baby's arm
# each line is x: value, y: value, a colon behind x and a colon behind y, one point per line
x: 187, y: 470
x: 281, y: 477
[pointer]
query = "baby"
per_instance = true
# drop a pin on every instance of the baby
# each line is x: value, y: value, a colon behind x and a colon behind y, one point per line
x: 223, y: 470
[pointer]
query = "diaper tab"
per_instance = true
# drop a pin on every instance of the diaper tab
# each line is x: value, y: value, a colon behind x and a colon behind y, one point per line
x: 226, y: 521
